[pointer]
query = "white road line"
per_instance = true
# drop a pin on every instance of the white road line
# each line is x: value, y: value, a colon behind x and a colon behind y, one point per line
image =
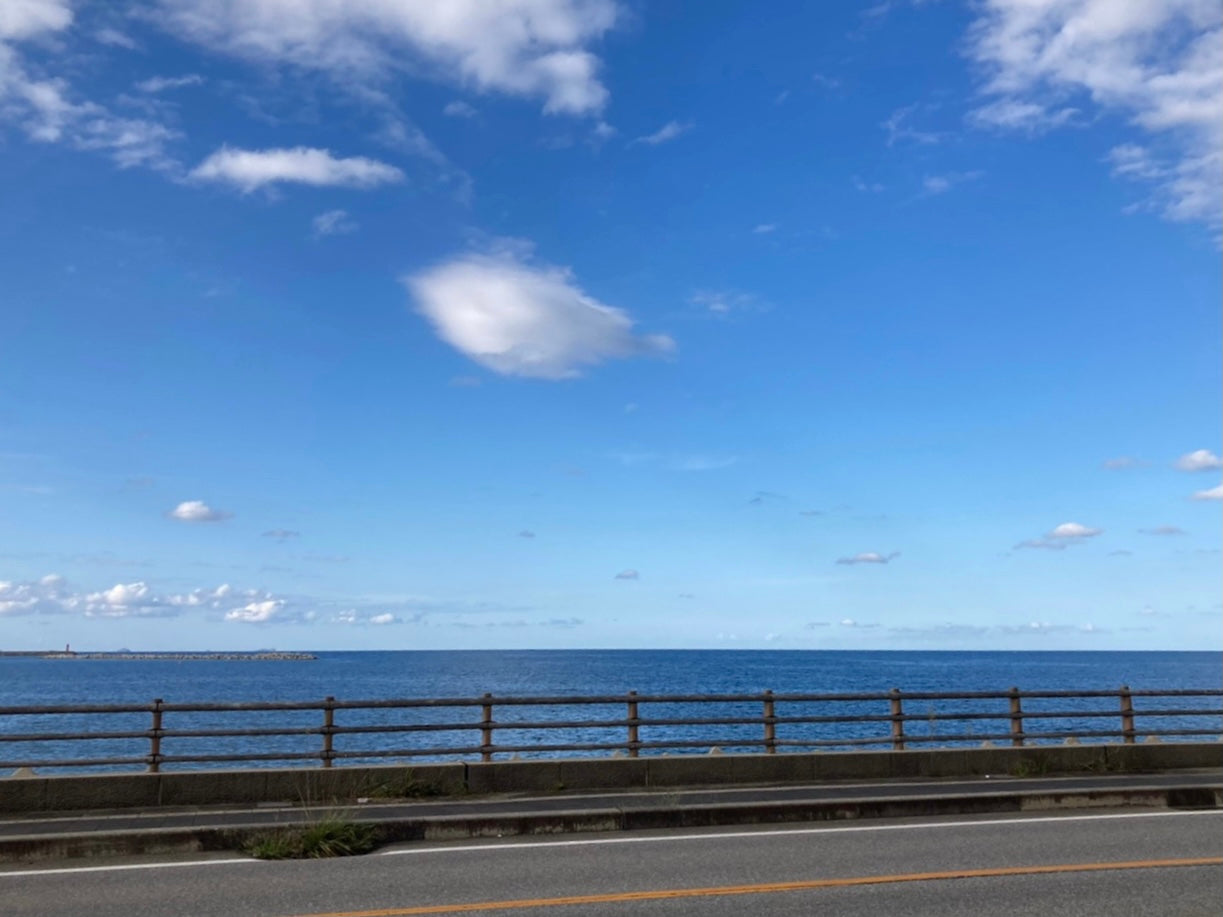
x: 124, y: 867
x: 511, y: 844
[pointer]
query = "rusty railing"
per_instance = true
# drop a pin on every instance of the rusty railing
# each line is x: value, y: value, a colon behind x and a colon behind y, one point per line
x: 183, y: 735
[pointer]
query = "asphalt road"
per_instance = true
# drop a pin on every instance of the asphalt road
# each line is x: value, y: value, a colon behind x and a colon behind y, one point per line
x: 1147, y: 863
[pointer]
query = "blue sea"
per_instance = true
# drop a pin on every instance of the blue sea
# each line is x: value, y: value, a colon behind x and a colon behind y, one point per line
x: 469, y: 674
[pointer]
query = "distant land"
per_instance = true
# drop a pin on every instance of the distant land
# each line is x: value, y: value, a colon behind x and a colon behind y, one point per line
x: 256, y: 656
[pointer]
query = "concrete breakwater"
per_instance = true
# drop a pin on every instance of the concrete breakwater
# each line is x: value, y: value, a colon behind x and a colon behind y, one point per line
x: 263, y: 656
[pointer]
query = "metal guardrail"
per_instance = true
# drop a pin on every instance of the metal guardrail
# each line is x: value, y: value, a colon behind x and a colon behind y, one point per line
x: 203, y: 734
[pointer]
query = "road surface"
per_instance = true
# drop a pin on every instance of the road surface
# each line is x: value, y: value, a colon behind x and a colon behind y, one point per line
x: 1086, y: 863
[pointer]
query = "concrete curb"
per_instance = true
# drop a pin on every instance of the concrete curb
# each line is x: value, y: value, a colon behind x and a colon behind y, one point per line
x: 45, y: 794
x: 463, y: 827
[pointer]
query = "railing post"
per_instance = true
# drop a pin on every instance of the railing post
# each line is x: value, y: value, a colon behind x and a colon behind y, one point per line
x: 1016, y: 719
x: 770, y: 725
x: 328, y: 730
x: 1127, y: 715
x: 634, y: 739
x: 486, y: 729
x: 898, y: 723
x: 155, y: 738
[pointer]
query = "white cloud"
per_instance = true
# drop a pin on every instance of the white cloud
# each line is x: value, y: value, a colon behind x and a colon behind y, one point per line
x: 21, y: 19
x: 869, y: 557
x: 46, y: 108
x: 764, y: 228
x: 1073, y: 530
x: 1122, y: 462
x: 333, y: 223
x: 530, y: 48
x: 197, y: 511
x: 252, y: 169
x: 157, y: 84
x: 259, y: 612
x: 52, y: 595
x: 519, y: 319
x: 1199, y: 460
x: 668, y: 131
x: 627, y: 574
x: 120, y: 594
x: 1062, y: 536
x: 459, y: 109
x: 1157, y: 63
x: 1214, y: 493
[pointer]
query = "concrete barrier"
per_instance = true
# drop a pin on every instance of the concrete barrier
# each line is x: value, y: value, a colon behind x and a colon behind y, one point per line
x: 34, y: 793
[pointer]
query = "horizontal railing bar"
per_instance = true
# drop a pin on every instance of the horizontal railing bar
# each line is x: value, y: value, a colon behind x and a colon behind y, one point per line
x: 474, y: 725
x: 262, y: 756
x: 73, y: 762
x: 472, y: 751
x: 235, y: 733
x: 69, y: 736
x: 269, y: 706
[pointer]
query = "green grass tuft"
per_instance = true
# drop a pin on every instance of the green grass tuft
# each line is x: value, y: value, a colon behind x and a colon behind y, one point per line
x: 330, y: 837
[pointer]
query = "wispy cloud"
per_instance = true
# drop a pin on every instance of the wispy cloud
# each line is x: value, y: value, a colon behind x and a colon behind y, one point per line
x: 281, y: 534
x: 522, y: 319
x: 459, y: 109
x: 527, y: 48
x: 869, y: 557
x: 723, y: 303
x: 941, y: 184
x: 1163, y: 530
x: 899, y: 127
x: 1155, y: 64
x: 665, y: 134
x: 332, y: 223
x: 155, y: 84
x: 1122, y: 463
x: 198, y: 511
x: 627, y: 575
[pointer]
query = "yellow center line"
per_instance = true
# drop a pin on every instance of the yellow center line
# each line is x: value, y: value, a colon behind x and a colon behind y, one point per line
x: 767, y: 888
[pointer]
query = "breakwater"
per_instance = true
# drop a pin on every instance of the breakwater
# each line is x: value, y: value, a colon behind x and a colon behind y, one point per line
x: 260, y: 656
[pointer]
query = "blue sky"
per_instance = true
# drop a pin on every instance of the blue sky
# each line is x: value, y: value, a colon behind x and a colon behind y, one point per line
x: 589, y: 323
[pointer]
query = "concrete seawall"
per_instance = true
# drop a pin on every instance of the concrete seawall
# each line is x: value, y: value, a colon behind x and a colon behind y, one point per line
x: 315, y: 786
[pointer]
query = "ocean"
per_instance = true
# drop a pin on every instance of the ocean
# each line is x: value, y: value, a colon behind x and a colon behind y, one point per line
x: 469, y: 674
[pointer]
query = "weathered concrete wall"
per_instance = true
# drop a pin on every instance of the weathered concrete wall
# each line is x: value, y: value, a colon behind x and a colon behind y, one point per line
x: 318, y: 786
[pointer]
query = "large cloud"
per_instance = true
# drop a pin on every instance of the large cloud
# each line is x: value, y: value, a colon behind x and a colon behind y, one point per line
x: 521, y: 47
x: 522, y: 320
x: 1157, y: 63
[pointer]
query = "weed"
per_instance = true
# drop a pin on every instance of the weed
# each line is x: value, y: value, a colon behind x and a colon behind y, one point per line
x: 328, y: 837
x: 405, y: 786
x: 1036, y: 766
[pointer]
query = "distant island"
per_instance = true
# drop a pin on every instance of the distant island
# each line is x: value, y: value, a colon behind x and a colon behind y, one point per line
x: 256, y: 656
